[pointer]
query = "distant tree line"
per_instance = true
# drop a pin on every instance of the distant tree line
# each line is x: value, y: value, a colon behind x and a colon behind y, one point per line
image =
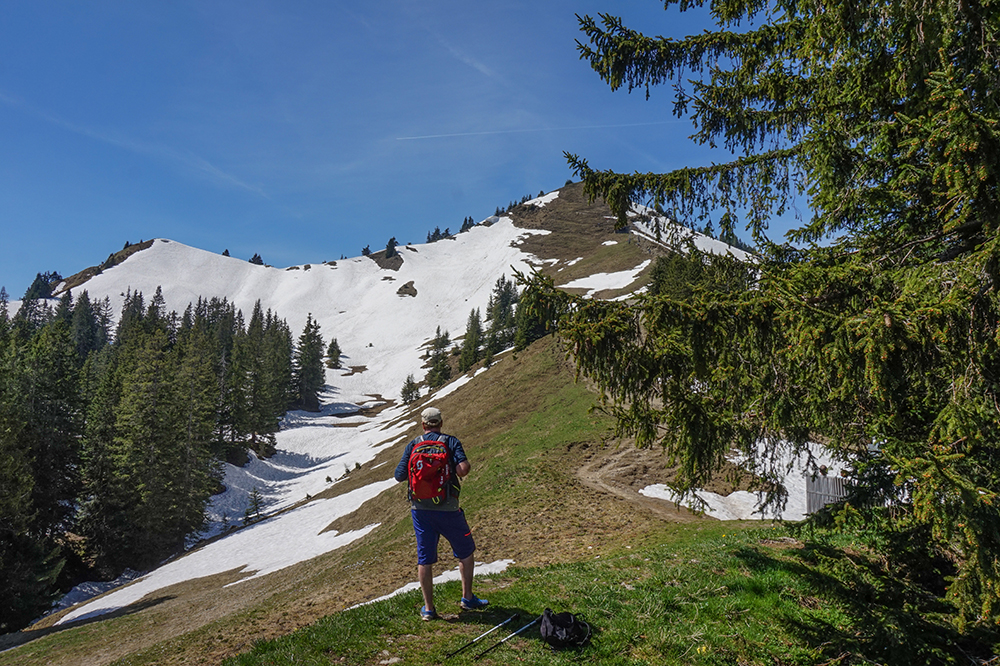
x: 513, y: 204
x: 437, y: 234
x: 112, y: 438
x: 507, y: 325
x: 432, y: 237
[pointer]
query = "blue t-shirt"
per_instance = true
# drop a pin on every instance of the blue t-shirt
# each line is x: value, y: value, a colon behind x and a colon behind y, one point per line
x: 456, y: 455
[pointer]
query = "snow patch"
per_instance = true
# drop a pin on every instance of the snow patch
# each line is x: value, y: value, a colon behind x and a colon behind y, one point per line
x: 676, y: 237
x: 256, y: 550
x: 601, y: 281
x: 544, y: 199
x: 480, y: 570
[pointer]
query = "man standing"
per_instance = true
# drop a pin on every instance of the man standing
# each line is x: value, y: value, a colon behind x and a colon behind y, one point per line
x: 434, y: 503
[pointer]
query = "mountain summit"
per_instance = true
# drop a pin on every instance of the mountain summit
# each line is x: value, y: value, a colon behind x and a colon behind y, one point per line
x: 328, y: 486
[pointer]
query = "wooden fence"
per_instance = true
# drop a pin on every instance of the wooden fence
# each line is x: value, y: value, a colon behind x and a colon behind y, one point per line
x: 823, y: 490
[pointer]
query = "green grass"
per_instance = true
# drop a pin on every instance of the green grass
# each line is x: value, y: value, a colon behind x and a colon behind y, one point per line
x: 718, y: 593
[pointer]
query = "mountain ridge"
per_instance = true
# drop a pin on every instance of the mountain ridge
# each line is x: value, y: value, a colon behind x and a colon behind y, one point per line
x: 383, y: 335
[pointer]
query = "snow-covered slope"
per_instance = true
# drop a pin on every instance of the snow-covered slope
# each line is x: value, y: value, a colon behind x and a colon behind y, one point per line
x: 381, y: 334
x: 354, y: 300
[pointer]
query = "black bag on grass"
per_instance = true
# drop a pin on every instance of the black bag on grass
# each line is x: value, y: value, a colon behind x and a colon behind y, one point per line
x: 563, y: 629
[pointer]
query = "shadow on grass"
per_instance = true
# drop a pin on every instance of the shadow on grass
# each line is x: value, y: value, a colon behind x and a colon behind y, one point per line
x: 9, y: 641
x: 854, y: 611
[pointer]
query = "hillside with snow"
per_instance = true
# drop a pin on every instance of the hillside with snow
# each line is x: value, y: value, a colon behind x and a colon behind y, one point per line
x: 383, y: 319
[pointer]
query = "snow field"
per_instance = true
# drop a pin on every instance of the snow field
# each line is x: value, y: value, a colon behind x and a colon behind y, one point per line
x: 258, y: 550
x: 376, y: 328
x: 383, y: 336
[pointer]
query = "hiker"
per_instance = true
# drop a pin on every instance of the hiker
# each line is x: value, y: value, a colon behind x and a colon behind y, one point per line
x: 435, y: 510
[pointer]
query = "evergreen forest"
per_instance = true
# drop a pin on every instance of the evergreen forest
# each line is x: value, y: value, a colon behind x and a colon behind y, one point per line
x: 112, y: 435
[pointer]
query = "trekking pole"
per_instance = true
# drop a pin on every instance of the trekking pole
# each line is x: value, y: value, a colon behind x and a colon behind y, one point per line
x: 496, y: 645
x: 481, y: 636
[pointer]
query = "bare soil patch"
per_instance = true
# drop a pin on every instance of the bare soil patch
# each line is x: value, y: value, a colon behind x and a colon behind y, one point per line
x: 393, y: 263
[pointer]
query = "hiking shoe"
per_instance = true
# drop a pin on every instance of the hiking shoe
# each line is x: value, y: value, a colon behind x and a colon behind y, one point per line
x: 475, y: 603
x: 427, y: 614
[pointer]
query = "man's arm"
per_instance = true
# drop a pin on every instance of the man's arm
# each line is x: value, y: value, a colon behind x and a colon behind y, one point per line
x: 401, y: 473
x: 462, y: 465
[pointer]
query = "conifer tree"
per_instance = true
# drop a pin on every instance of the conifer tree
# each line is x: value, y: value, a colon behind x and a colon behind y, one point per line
x: 239, y: 391
x: 105, y: 497
x: 333, y: 355
x: 103, y: 311
x: 472, y: 342
x: 30, y: 317
x: 532, y: 318
x: 64, y: 311
x: 500, y: 312
x: 4, y: 313
x: 258, y: 419
x: 193, y: 471
x: 85, y: 327
x: 410, y: 391
x: 390, y: 248
x: 255, y: 505
x: 29, y: 559
x: 51, y: 424
x: 278, y: 368
x: 440, y: 371
x: 131, y: 320
x: 41, y: 287
x: 876, y: 325
x: 309, y: 374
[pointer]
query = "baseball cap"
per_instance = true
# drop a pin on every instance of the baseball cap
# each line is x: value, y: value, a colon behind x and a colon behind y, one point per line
x: 431, y: 416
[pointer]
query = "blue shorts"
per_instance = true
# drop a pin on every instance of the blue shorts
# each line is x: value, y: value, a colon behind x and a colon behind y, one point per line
x: 429, y: 526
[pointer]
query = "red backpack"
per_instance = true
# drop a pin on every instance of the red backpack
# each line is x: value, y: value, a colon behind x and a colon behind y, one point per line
x: 429, y: 471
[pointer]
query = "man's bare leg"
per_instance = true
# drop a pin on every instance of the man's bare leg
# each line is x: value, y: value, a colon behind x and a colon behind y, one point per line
x: 466, y: 569
x: 425, y: 575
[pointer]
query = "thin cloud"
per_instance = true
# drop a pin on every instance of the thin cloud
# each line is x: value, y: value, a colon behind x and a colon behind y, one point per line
x: 190, y: 160
x: 536, y: 129
x: 466, y: 59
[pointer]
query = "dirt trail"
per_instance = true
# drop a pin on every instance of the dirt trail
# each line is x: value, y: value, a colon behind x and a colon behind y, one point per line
x: 624, y: 470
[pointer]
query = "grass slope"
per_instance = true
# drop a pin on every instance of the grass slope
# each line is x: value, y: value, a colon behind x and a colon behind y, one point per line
x: 656, y: 591
x: 711, y: 593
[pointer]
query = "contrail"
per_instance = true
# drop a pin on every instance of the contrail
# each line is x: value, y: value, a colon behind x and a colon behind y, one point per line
x: 537, y: 129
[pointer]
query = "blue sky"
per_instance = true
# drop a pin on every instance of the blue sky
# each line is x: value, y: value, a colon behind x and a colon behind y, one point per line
x: 302, y: 131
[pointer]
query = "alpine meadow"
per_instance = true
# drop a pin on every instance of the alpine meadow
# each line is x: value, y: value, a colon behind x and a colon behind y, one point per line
x: 709, y: 441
